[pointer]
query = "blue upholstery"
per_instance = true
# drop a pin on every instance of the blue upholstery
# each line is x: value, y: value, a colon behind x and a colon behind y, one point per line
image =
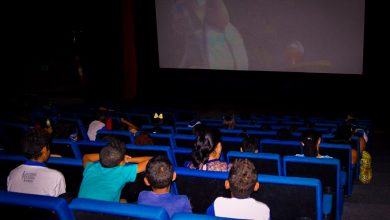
x: 343, y: 152
x: 125, y: 136
x: 265, y: 163
x: 290, y: 197
x: 67, y: 142
x: 162, y: 139
x: 118, y: 209
x: 58, y: 205
x: 326, y: 170
x: 282, y: 147
x: 184, y: 140
x: 287, y: 197
x: 150, y: 150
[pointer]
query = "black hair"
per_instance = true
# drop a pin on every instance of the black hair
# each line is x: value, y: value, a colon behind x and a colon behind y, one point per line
x: 309, y: 139
x: 34, y: 141
x: 242, y: 178
x: 116, y: 143
x: 159, y: 172
x: 344, y: 132
x: 250, y: 144
x: 205, y: 145
x: 111, y: 156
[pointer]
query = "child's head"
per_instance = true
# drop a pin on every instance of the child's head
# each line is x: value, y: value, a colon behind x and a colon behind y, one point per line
x: 242, y: 179
x: 159, y: 173
x: 310, y: 141
x: 111, y: 156
x: 250, y: 144
x: 36, y: 144
x: 208, y: 142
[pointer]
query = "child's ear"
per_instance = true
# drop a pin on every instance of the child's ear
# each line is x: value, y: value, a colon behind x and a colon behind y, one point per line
x: 146, y: 181
x: 227, y: 184
x: 257, y: 186
x: 174, y: 176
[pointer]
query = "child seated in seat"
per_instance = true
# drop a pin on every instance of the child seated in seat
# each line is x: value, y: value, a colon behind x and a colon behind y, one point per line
x: 105, y: 174
x: 159, y: 175
x: 250, y: 144
x: 242, y: 182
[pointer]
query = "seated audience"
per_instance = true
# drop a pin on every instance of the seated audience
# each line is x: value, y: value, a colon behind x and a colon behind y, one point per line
x: 34, y: 177
x: 159, y: 175
x: 250, y: 144
x: 207, y: 151
x: 242, y: 182
x: 310, y: 141
x: 105, y: 174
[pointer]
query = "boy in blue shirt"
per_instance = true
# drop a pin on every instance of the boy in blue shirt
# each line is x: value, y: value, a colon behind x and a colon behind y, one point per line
x: 105, y: 174
x: 159, y: 175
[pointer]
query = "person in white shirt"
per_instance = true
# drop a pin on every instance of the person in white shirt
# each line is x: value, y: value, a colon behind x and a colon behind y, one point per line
x: 34, y: 177
x: 242, y: 182
x: 96, y: 125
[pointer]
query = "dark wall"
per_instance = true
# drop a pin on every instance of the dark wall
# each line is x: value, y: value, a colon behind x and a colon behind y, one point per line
x: 41, y: 60
x: 45, y: 37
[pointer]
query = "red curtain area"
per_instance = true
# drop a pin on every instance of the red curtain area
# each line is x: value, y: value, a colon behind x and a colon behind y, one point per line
x: 130, y: 57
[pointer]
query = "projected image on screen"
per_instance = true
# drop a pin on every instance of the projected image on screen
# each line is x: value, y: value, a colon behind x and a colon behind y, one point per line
x: 324, y: 36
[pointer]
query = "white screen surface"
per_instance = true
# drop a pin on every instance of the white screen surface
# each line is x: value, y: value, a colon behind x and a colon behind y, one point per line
x: 317, y: 36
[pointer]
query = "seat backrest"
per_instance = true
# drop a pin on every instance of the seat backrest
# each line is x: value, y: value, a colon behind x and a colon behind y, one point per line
x: 324, y: 169
x: 282, y: 147
x: 201, y: 187
x: 94, y: 209
x: 29, y: 206
x: 124, y: 136
x: 265, y: 163
x: 290, y: 197
x: 184, y: 140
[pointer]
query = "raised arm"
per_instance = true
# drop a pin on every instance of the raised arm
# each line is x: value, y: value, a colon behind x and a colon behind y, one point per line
x: 141, y: 161
x: 87, y: 158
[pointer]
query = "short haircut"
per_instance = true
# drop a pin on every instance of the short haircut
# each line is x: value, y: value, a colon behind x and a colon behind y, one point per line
x: 242, y: 178
x: 115, y: 142
x: 159, y: 172
x: 250, y: 144
x: 111, y: 156
x: 33, y: 142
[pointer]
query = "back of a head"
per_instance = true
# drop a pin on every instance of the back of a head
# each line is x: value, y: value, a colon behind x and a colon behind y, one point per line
x: 116, y: 143
x: 344, y: 132
x: 205, y: 144
x: 242, y: 178
x: 159, y: 172
x: 229, y: 122
x: 33, y: 142
x: 309, y: 140
x: 101, y: 115
x: 250, y: 144
x: 111, y: 156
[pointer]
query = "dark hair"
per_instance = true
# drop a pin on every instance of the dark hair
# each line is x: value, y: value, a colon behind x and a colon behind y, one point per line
x: 116, y: 143
x: 111, y: 156
x: 250, y: 144
x: 205, y: 145
x: 229, y: 122
x: 309, y: 139
x: 33, y: 142
x: 344, y: 132
x: 159, y: 172
x: 242, y: 178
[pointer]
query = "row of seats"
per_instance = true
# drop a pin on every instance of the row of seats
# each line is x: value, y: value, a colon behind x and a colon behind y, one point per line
x: 326, y: 170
